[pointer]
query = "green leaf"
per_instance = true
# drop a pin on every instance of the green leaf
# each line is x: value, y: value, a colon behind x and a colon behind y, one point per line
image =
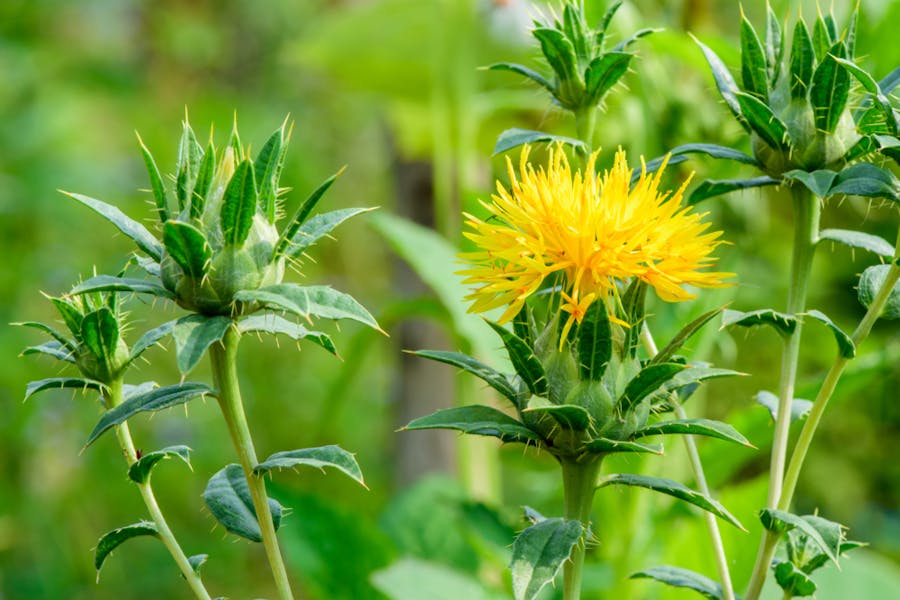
x: 624, y: 44
x: 288, y: 297
x: 603, y: 25
x: 131, y: 228
x: 678, y: 154
x: 830, y: 90
x: 774, y: 45
x: 150, y: 338
x: 558, y: 51
x: 821, y: 39
x: 882, y: 103
x: 267, y: 168
x: 197, y: 561
x: 802, y: 60
x: 56, y: 335
x: 594, y: 342
x: 239, y: 205
x: 539, y: 553
x: 328, y: 303
x: 604, y: 72
x: 148, y: 401
x: 525, y: 72
x: 52, y: 348
x: 724, y: 82
x: 634, y: 302
x: 188, y: 247
x: 139, y: 471
x: 753, y: 62
x: 716, y: 429
x: 523, y: 360
x: 156, y: 183
x: 779, y: 521
x: 684, y: 335
x: 52, y: 383
x: 492, y: 377
x: 318, y: 227
x: 321, y: 457
x: 868, y: 180
x: 515, y: 137
x: 477, y: 420
x: 693, y: 374
x: 277, y: 325
x: 799, y: 408
x: 818, y: 182
x: 871, y: 281
x: 204, y: 180
x: 187, y: 165
x: 783, y: 323
x: 646, y: 382
x: 675, y: 489
x: 846, y: 347
x: 792, y: 580
x: 114, y: 538
x: 100, y: 333
x: 607, y: 446
x: 227, y: 497
x: 569, y: 416
x: 193, y: 334
x: 710, y: 188
x: 858, y: 239
x: 764, y: 122
x: 574, y: 28
x: 683, y: 578
x: 292, y: 233
x: 108, y: 283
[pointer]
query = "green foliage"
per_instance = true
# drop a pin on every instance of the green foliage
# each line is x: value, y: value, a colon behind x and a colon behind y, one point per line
x: 683, y: 578
x: 539, y: 553
x: 477, y: 420
x: 227, y: 496
x: 872, y: 280
x: 321, y: 457
x: 112, y: 540
x: 140, y: 470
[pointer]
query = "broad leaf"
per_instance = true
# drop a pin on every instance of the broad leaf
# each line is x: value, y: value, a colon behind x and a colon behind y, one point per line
x: 683, y: 578
x: 845, y: 343
x: 108, y: 283
x: 78, y: 383
x: 706, y: 427
x: 684, y: 335
x: 139, y: 471
x: 858, y: 239
x: 539, y: 552
x: 328, y: 303
x: 868, y: 180
x: 188, y: 247
x: 569, y: 416
x: 783, y: 323
x: 131, y: 228
x: 871, y: 282
x: 239, y: 205
x: 295, y: 223
x: 100, y: 333
x: 799, y: 407
x: 477, y: 420
x: 604, y: 71
x: 646, y: 382
x: 227, y: 497
x: 288, y: 297
x: 193, y: 334
x: 321, y: 457
x: 607, y: 446
x: 818, y: 182
x: 515, y: 137
x: 492, y: 377
x: 274, y: 325
x: 523, y: 360
x: 318, y: 227
x: 148, y: 401
x: 675, y: 489
x: 595, y: 342
x: 710, y: 188
x: 779, y: 521
x: 116, y: 537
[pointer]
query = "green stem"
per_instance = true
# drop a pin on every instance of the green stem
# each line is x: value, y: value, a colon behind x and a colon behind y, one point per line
x: 165, y: 533
x: 585, y: 123
x: 579, y: 483
x: 806, y: 231
x: 223, y: 357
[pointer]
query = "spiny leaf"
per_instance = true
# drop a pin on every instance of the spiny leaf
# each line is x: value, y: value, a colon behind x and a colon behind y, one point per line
x: 56, y: 335
x: 150, y: 338
x: 871, y: 282
x: 607, y: 446
x: 684, y: 335
x: 774, y: 45
x: 321, y: 457
x: 802, y: 60
x: 779, y: 521
x: 783, y: 323
x: 710, y: 188
x: 188, y: 247
x: 799, y: 408
x: 139, y: 471
x: 328, y: 303
x: 239, y: 205
x: 830, y: 90
x: 678, y: 154
x: 569, y: 416
x: 539, y: 553
x: 204, y: 181
x: 624, y: 44
x: 187, y: 165
x: 858, y: 239
x: 100, y: 333
x: 131, y: 228
x: 515, y: 137
x: 724, y: 82
x: 818, y: 182
x: 868, y: 180
x: 193, y: 334
x: 51, y: 383
x: 227, y: 496
x: 763, y: 121
x: 522, y: 357
x: 882, y: 103
x: 646, y: 382
x: 266, y: 169
x: 318, y: 227
x: 845, y: 343
x: 558, y: 51
x: 753, y: 62
x: 683, y: 578
x: 116, y: 537
x: 477, y: 420
x: 277, y: 325
x: 594, y: 342
x: 492, y: 377
x: 604, y: 72
x: 108, y: 283
x: 792, y: 580
x: 706, y: 427
x: 525, y: 72
x: 156, y: 183
x: 52, y: 348
x: 303, y: 211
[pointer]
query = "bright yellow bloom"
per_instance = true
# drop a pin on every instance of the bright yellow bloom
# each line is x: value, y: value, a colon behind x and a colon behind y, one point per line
x: 591, y: 230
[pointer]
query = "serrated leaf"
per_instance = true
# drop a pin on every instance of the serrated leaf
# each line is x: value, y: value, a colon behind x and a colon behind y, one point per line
x: 239, y: 205
x: 792, y: 580
x: 684, y: 335
x: 100, y: 333
x: 868, y: 180
x: 188, y: 247
x: 523, y: 360
x: 799, y: 407
x: 148, y: 401
x: 51, y: 383
x: 646, y: 382
x: 266, y: 169
x: 108, y: 283
x: 52, y: 348
x: 318, y: 227
x: 292, y: 233
x: 753, y: 62
x: 683, y: 578
x: 871, y: 282
x: 846, y: 347
x: 193, y: 334
x: 724, y: 82
x: 569, y: 416
x: 607, y: 446
x: 515, y: 137
x: 227, y: 496
x: 131, y: 228
x: 818, y: 182
x: 710, y: 188
x: 477, y: 420
x: 525, y: 72
x: 706, y: 427
x: 830, y: 90
x: 150, y: 338
x: 604, y: 72
x: 858, y: 239
x: 116, y: 537
x: 594, y: 342
x: 139, y: 471
x: 277, y: 325
x: 674, y: 489
x: 156, y: 183
x: 763, y: 121
x: 539, y: 553
x: 492, y: 377
x: 802, y: 60
x: 779, y: 521
x: 783, y: 323
x: 321, y: 457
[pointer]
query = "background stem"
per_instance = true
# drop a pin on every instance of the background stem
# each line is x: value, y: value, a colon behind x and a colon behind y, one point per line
x: 223, y: 357
x: 165, y: 533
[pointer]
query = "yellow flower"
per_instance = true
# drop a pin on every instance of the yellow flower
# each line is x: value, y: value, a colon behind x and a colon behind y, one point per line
x: 590, y: 230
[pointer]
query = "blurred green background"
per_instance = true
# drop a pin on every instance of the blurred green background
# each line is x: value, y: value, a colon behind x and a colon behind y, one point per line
x: 391, y: 88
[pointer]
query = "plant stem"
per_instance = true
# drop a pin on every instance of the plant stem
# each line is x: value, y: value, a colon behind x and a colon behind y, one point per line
x: 223, y: 357
x: 165, y: 533
x: 712, y: 526
x: 585, y: 122
x: 806, y: 232
x: 579, y: 483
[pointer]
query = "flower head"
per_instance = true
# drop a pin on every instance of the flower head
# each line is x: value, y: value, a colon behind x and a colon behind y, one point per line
x: 589, y: 231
